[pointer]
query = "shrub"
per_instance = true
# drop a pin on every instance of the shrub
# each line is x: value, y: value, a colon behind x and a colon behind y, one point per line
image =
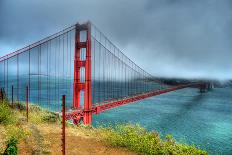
x: 38, y: 115
x: 16, y: 132
x: 6, y: 114
x: 11, y: 148
x: 50, y: 117
x: 20, y: 106
x: 139, y: 140
x: 34, y: 108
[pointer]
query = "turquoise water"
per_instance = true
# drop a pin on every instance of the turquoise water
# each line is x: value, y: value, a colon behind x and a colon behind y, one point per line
x: 204, y: 120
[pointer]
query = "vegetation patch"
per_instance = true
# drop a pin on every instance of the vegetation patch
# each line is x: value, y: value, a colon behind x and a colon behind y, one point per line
x: 137, y: 139
x: 11, y: 148
x: 20, y: 106
x: 50, y: 117
x: 11, y: 130
x: 6, y: 114
x: 132, y: 137
x: 38, y: 115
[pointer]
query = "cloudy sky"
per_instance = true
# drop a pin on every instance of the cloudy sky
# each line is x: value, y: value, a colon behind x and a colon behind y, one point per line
x: 173, y: 38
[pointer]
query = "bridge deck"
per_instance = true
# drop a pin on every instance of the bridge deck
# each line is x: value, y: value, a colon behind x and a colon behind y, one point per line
x: 77, y: 114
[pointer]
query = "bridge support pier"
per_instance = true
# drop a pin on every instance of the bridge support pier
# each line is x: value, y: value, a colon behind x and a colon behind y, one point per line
x: 79, y: 63
x: 205, y: 87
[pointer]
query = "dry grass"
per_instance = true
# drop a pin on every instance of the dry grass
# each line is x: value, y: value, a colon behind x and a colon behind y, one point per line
x: 42, y: 135
x: 47, y: 140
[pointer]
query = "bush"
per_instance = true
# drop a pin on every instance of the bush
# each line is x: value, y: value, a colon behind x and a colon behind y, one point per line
x: 14, y: 134
x: 50, y: 117
x: 11, y: 148
x: 38, y: 115
x: 6, y: 114
x: 20, y: 106
x: 139, y: 140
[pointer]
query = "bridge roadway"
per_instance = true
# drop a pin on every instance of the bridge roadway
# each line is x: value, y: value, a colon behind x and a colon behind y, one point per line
x: 77, y: 114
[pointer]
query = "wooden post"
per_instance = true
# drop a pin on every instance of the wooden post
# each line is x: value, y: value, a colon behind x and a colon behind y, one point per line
x: 63, y: 125
x: 1, y: 95
x: 12, y: 95
x: 27, y: 101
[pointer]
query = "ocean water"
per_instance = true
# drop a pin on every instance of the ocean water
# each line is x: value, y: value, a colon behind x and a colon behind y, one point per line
x: 204, y: 120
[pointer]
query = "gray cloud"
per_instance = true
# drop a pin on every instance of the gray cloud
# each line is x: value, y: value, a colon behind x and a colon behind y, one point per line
x: 174, y: 38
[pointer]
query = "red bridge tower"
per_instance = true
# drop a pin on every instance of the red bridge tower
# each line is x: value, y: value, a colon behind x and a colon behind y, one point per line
x: 78, y: 85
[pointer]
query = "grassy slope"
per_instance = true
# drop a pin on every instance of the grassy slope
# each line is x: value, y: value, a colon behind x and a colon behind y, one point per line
x: 41, y: 135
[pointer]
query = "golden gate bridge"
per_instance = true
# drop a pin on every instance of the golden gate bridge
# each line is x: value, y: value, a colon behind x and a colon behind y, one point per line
x: 81, y: 63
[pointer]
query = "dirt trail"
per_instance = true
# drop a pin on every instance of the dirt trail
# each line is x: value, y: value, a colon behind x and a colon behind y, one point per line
x: 35, y: 144
x: 41, y: 147
x: 46, y: 139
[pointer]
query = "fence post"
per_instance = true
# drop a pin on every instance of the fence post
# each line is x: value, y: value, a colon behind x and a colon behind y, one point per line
x: 4, y: 93
x: 63, y: 125
x: 1, y: 95
x: 12, y: 95
x: 27, y: 101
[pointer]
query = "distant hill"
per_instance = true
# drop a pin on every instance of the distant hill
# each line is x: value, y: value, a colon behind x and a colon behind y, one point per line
x: 216, y: 83
x: 224, y: 83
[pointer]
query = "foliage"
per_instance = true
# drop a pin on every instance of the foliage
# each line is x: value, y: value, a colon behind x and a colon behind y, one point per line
x: 12, y: 131
x: 6, y: 114
x: 133, y: 137
x: 20, y: 106
x: 11, y: 148
x: 139, y: 140
x: 16, y: 132
x: 38, y: 115
x: 50, y: 117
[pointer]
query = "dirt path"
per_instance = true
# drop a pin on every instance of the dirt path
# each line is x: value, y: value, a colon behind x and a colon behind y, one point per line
x: 46, y: 139
x: 35, y: 144
x: 40, y: 146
